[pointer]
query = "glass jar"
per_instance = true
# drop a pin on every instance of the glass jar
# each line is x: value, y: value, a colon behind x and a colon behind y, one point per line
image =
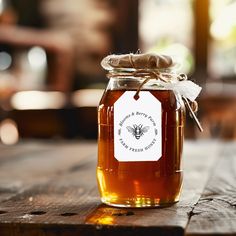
x: 142, y: 182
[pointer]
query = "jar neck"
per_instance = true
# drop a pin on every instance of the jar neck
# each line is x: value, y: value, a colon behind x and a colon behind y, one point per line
x: 132, y: 83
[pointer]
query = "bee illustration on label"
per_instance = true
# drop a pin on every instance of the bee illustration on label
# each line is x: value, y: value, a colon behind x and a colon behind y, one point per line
x: 138, y: 130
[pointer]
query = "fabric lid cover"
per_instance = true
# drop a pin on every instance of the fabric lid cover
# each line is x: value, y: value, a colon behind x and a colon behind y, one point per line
x: 137, y: 61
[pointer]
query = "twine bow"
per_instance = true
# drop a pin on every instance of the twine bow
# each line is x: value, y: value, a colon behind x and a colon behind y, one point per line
x: 179, y: 83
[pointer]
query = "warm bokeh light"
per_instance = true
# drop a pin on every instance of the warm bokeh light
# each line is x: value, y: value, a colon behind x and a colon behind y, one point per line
x: 181, y: 54
x: 5, y: 60
x: 36, y: 100
x: 8, y: 132
x: 225, y: 21
x: 1, y: 6
x: 87, y: 97
x: 37, y: 58
x: 222, y: 57
x: 158, y: 21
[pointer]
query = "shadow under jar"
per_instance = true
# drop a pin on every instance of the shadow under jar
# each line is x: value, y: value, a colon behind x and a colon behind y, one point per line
x: 140, y: 183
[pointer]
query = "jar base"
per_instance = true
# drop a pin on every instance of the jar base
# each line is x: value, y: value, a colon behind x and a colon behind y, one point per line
x: 139, y: 202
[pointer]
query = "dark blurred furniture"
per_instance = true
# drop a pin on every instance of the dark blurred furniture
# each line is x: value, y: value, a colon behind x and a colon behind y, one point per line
x: 49, y: 188
x: 217, y: 112
x: 75, y: 53
x: 218, y: 117
x: 74, y: 50
x: 41, y: 122
x: 57, y: 45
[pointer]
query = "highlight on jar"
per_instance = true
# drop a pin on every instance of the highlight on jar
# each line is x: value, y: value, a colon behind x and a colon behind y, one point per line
x: 141, y: 119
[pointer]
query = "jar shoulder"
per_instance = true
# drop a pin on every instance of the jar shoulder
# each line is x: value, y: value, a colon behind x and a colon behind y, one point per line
x: 168, y: 99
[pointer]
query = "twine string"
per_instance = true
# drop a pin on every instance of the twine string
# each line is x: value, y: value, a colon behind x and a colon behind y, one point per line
x: 162, y: 76
x: 147, y: 75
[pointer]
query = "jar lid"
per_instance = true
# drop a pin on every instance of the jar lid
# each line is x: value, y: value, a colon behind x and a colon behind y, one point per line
x: 153, y: 66
x: 150, y: 61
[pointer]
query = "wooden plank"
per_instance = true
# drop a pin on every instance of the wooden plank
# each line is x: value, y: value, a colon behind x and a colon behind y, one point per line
x: 215, y: 212
x: 28, y: 164
x: 62, y: 197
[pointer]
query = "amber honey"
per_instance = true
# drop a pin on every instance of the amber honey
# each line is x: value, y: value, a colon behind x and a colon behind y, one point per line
x: 141, y: 183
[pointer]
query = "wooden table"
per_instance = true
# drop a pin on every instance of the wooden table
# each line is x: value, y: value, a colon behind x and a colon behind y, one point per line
x: 50, y: 189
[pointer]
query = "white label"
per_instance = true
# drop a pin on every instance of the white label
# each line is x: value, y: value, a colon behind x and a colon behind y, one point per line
x: 137, y: 127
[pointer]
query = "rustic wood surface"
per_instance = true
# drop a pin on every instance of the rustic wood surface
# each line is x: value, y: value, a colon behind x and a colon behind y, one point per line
x: 215, y: 212
x: 50, y: 189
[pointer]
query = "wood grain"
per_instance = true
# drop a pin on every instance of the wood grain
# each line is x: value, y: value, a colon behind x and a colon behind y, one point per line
x: 215, y: 212
x: 55, y: 193
x: 30, y: 164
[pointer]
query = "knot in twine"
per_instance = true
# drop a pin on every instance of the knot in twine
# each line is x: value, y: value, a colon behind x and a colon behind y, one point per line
x: 179, y: 83
x: 154, y: 67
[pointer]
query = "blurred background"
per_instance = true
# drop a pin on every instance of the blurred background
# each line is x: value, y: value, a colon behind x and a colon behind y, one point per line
x: 51, y: 80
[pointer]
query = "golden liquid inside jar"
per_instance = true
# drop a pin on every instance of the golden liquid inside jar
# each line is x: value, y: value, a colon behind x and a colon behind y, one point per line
x: 140, y: 183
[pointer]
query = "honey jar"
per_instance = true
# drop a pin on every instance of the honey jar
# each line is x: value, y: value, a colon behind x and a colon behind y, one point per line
x: 141, y: 119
